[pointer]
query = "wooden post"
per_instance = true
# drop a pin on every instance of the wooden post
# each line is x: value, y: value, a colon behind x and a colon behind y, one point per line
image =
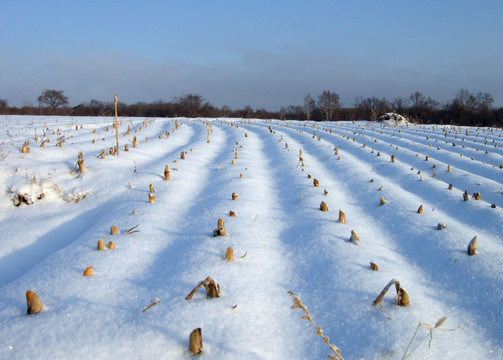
x: 116, y: 124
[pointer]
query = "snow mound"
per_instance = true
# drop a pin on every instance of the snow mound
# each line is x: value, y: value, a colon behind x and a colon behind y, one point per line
x: 393, y: 119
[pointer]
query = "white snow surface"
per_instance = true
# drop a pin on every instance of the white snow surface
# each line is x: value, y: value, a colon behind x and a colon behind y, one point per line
x: 290, y: 244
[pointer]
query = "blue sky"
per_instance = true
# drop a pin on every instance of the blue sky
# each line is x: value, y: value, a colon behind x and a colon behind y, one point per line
x: 266, y: 54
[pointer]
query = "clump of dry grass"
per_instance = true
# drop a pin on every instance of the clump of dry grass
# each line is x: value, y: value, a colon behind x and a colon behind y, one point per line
x: 101, y: 246
x: 324, y: 206
x: 297, y: 304
x: 234, y: 196
x: 111, y: 245
x: 113, y: 230
x: 431, y: 330
x: 316, y: 183
x: 382, y: 202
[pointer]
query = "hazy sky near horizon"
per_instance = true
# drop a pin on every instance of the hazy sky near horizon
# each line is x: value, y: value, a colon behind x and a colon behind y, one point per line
x: 266, y: 54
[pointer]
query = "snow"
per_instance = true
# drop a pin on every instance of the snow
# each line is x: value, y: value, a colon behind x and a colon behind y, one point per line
x: 290, y: 244
x: 393, y: 119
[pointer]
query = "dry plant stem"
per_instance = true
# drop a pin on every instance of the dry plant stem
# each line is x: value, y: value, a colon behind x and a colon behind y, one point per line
x: 101, y: 246
x: 88, y: 271
x: 298, y: 304
x: 152, y: 303
x: 229, y: 254
x: 431, y: 330
x: 212, y: 288
x: 33, y: 302
x: 116, y: 124
x: 472, y: 246
x: 342, y: 217
x: 196, y: 341
x: 379, y: 298
x: 132, y: 230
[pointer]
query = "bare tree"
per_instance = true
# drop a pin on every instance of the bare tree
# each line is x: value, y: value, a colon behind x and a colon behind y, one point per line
x: 53, y: 98
x: 417, y: 99
x: 309, y: 105
x: 3, y: 106
x: 190, y: 104
x: 400, y: 104
x: 328, y: 102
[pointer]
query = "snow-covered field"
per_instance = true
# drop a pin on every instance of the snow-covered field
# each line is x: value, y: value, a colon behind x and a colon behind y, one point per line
x: 290, y: 245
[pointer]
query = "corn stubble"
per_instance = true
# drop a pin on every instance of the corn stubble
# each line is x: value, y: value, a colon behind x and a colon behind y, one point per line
x: 33, y: 302
x: 196, y: 341
x: 211, y: 286
x: 401, y: 299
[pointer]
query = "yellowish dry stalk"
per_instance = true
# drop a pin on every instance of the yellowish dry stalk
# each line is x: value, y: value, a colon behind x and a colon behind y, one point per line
x: 229, y: 254
x: 472, y: 246
x: 26, y: 149
x: 113, y: 230
x: 135, y: 142
x: 111, y: 245
x: 297, y: 304
x: 382, y: 202
x: 166, y: 172
x: 234, y: 196
x: 152, y: 303
x: 151, y: 188
x: 431, y: 330
x: 402, y: 298
x: 151, y: 198
x: 342, y: 217
x: 211, y: 286
x: 355, y: 239
x: 373, y: 266
x: 220, y: 230
x: 420, y: 210
x: 101, y: 246
x: 323, y: 206
x: 392, y: 158
x: 182, y: 155
x: 232, y: 214
x: 88, y: 271
x: 33, y: 302
x: 316, y: 183
x: 196, y: 341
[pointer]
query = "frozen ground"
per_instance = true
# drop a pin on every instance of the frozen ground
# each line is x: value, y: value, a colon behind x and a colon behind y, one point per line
x: 290, y: 244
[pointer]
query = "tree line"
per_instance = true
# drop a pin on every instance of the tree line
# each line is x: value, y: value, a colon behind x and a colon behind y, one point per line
x: 465, y: 108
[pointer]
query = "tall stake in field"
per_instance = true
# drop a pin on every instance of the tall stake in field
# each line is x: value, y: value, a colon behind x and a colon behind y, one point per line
x: 116, y: 124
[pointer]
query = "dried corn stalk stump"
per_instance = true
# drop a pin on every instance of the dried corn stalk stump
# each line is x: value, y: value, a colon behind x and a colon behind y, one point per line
x: 402, y: 298
x: 211, y: 286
